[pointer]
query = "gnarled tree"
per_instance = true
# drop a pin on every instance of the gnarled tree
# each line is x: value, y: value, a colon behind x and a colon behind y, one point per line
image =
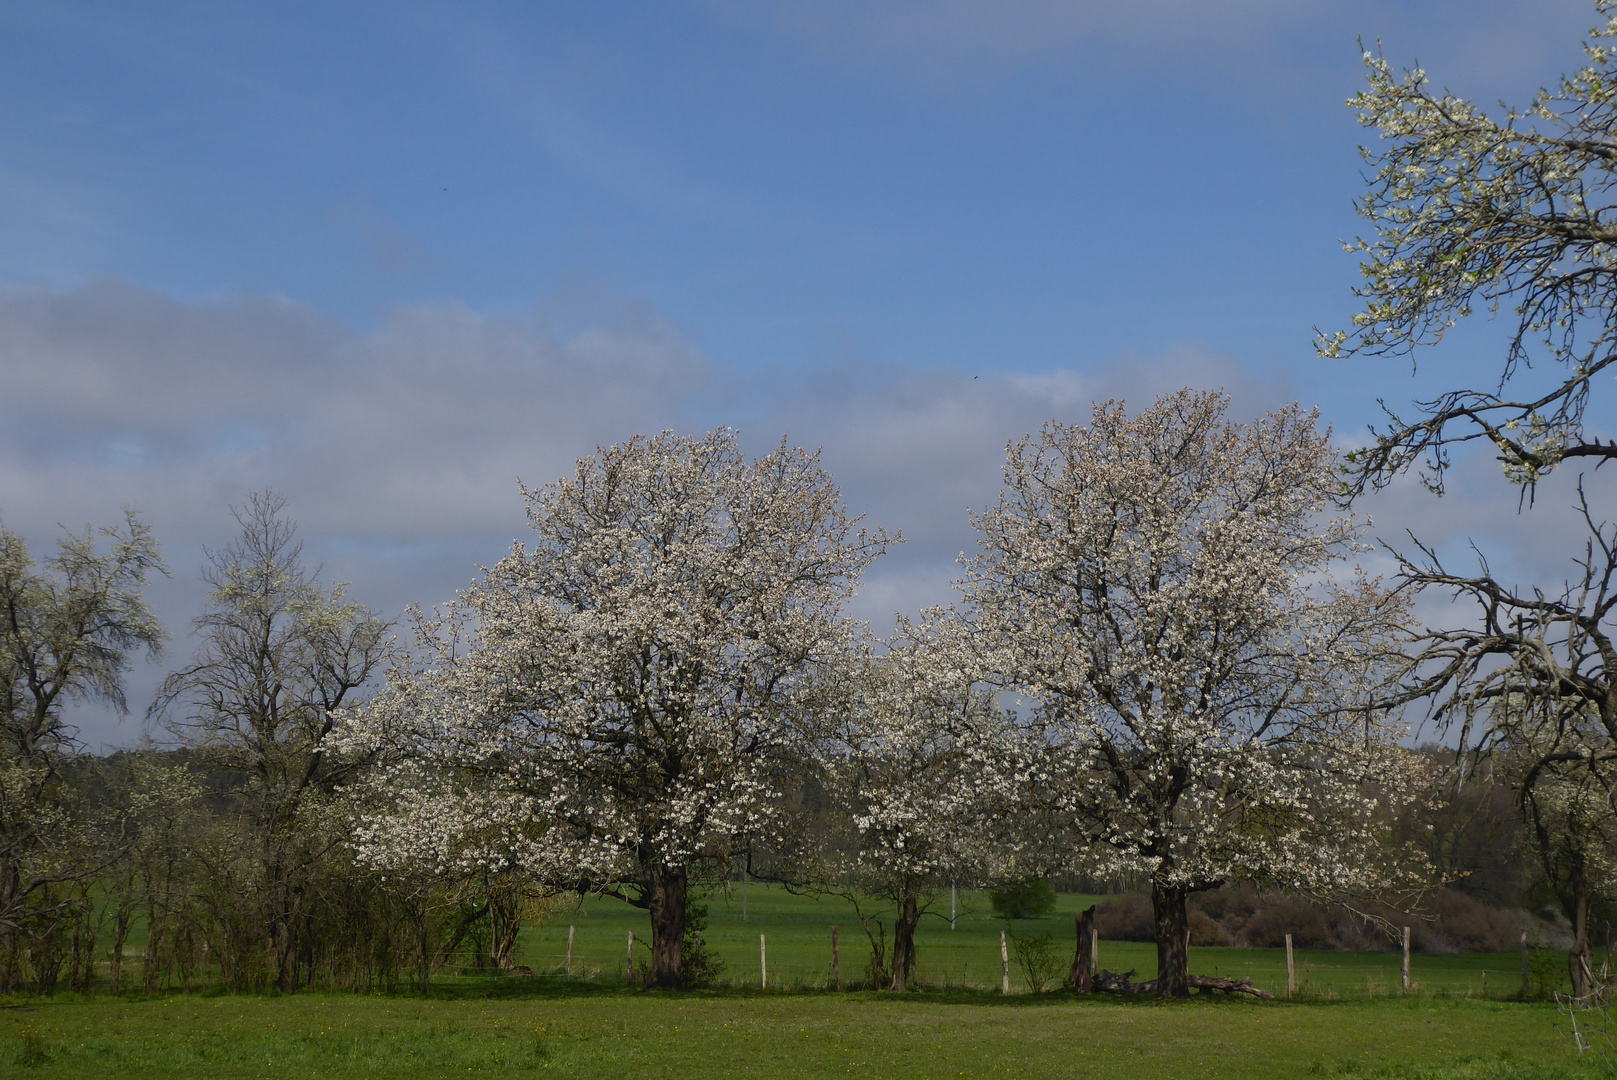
x: 1534, y: 679
x: 1512, y: 212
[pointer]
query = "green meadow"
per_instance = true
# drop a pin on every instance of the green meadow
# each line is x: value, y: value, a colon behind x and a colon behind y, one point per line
x: 1348, y: 1020
x: 797, y: 947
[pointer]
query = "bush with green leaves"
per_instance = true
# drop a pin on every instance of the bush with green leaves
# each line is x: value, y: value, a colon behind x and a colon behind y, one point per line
x: 1031, y: 899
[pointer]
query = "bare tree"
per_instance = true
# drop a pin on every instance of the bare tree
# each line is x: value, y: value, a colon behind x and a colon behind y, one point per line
x: 1533, y: 678
x: 280, y: 655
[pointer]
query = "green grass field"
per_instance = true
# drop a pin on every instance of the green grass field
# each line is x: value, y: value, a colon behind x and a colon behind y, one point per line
x: 797, y: 933
x: 1348, y: 1022
x: 583, y: 1032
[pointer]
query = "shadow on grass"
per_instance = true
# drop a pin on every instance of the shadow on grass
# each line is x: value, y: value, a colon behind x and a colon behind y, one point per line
x: 561, y: 988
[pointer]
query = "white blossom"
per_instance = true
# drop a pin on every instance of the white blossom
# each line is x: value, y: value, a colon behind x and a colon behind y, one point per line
x: 619, y: 704
x: 1162, y: 588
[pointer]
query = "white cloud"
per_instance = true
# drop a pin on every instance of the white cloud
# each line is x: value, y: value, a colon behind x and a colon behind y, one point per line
x: 409, y: 429
x: 916, y: 450
x: 399, y: 448
x: 1265, y: 48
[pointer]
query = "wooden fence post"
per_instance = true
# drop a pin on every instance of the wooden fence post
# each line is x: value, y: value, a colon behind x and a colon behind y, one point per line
x: 1524, y: 965
x: 1094, y: 950
x: 1083, y: 963
x: 951, y: 905
x: 836, y: 962
x: 628, y: 971
x: 1004, y: 965
x: 569, y: 950
x: 763, y: 964
x: 1406, y: 959
x: 1291, y: 969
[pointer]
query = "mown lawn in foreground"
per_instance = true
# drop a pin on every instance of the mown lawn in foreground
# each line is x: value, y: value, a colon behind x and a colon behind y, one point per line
x: 532, y: 1029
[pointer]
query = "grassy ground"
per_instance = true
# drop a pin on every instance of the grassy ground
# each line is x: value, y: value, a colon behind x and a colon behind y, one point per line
x: 797, y: 933
x: 1349, y: 1021
x: 583, y: 1032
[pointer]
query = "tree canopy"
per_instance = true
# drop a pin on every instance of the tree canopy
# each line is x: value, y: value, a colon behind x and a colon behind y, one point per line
x: 1159, y: 588
x: 1509, y: 213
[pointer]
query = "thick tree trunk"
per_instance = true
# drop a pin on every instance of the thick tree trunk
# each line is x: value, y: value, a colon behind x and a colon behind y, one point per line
x: 1173, y: 962
x: 1083, y: 964
x: 909, y: 915
x: 505, y: 918
x: 668, y: 890
x: 1580, y: 960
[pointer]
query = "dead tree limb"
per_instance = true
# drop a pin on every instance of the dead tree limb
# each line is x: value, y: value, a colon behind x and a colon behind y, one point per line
x: 1110, y: 983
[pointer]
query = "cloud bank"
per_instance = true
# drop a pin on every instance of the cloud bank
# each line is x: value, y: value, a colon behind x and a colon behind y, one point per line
x: 399, y: 448
x: 940, y: 44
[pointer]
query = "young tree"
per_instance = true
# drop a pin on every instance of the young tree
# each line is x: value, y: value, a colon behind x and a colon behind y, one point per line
x: 1472, y: 210
x: 1535, y: 677
x: 66, y: 634
x: 623, y: 702
x: 1160, y: 588
x: 923, y: 767
x: 280, y: 655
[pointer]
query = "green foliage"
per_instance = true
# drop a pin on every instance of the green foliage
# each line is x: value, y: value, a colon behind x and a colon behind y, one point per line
x: 1035, y: 956
x: 698, y: 964
x: 1547, y: 972
x: 1032, y: 899
x: 32, y: 1052
x: 69, y: 629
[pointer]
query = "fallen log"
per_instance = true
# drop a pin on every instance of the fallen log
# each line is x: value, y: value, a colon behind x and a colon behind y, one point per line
x: 1229, y: 986
x: 1111, y: 983
x: 1108, y: 982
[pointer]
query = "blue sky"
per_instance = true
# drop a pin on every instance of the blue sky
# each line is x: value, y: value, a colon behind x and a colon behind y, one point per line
x: 388, y: 257
x: 787, y: 198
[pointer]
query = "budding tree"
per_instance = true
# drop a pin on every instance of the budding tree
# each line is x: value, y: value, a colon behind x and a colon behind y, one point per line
x: 68, y: 631
x: 1478, y: 211
x: 624, y: 700
x: 1159, y: 588
x: 279, y: 655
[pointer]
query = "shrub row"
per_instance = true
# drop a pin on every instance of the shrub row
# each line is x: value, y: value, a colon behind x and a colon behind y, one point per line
x: 1243, y: 915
